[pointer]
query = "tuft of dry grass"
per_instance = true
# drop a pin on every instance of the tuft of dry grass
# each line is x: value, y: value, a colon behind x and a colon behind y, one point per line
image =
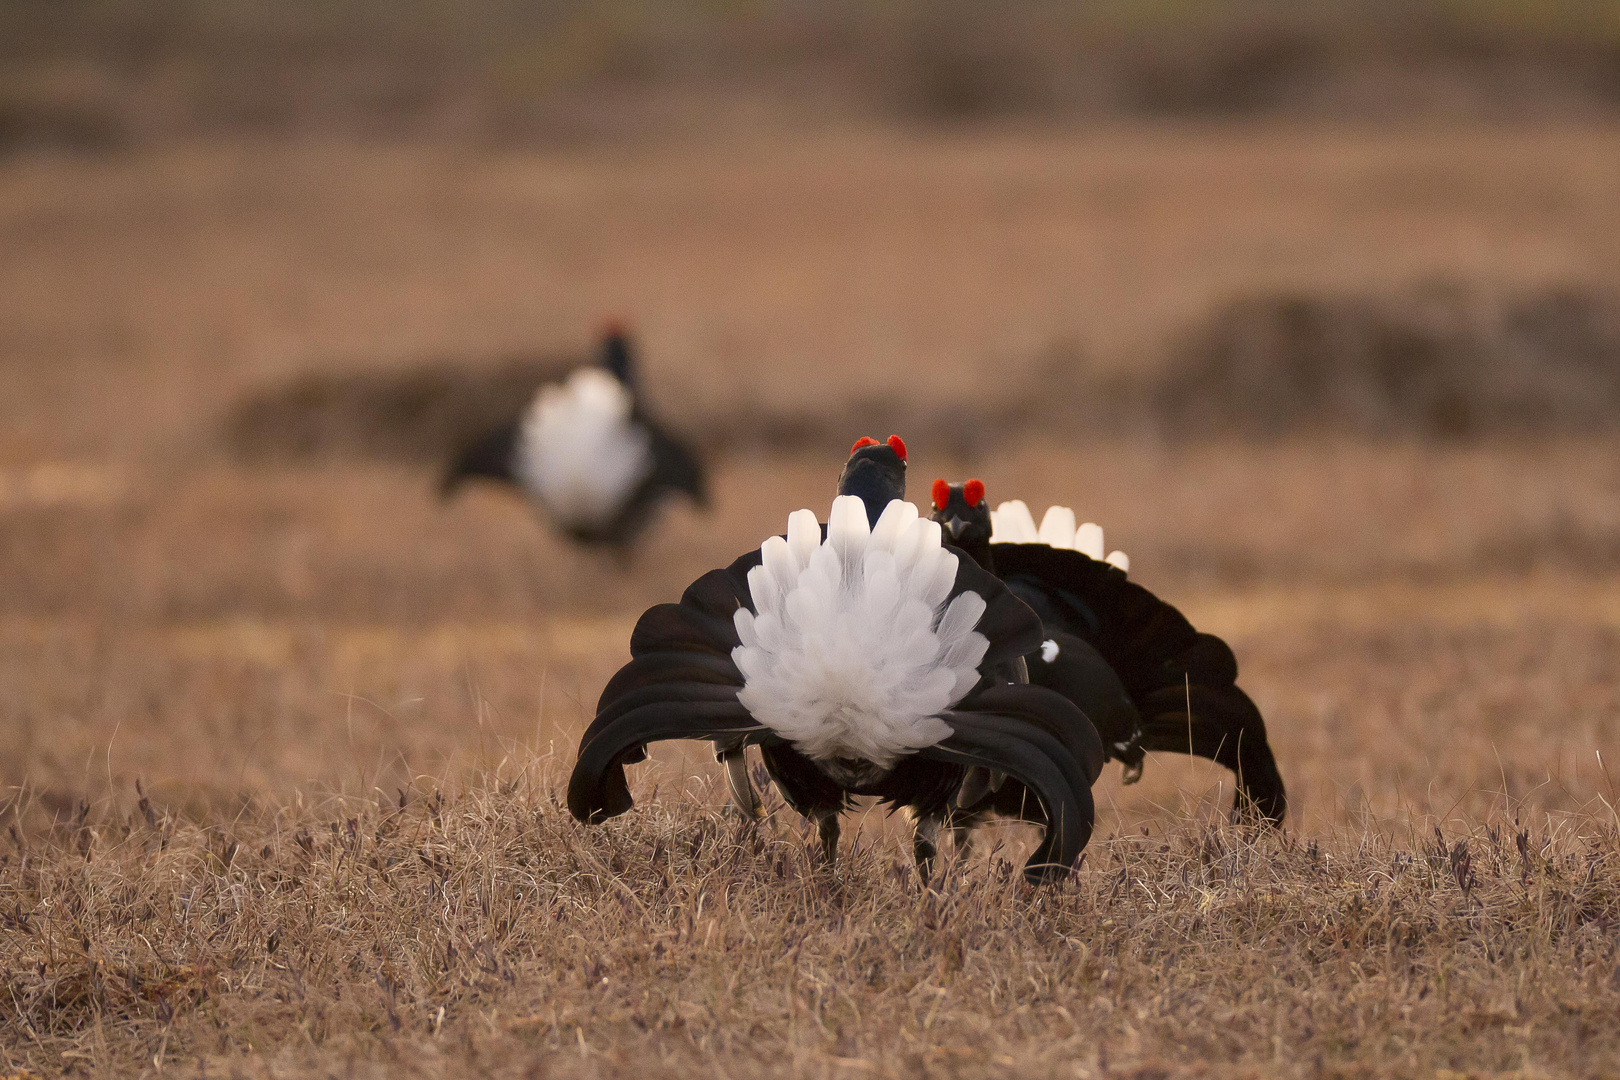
x: 424, y: 932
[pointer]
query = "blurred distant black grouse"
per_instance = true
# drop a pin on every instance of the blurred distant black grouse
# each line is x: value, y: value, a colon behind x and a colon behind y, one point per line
x: 863, y: 657
x: 587, y: 451
x: 1130, y: 661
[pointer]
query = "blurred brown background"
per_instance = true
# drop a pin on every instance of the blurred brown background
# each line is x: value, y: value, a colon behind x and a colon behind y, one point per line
x: 1315, y: 307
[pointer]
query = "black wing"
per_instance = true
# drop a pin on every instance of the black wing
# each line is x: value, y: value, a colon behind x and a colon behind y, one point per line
x: 1042, y: 740
x: 680, y: 683
x: 1083, y: 675
x: 676, y: 466
x: 489, y: 458
x: 1184, y: 683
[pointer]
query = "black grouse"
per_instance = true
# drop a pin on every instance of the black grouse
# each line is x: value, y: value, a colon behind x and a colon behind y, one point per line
x: 588, y: 452
x: 1134, y: 664
x: 863, y: 657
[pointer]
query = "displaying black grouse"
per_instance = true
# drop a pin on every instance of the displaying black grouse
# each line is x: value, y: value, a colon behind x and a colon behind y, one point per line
x: 1137, y: 668
x: 588, y: 453
x: 863, y: 657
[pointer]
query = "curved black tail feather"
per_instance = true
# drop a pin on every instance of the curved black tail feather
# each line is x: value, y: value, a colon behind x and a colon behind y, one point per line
x: 597, y: 789
x: 1180, y: 680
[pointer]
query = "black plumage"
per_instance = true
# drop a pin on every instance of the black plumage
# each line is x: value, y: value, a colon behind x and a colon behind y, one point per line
x: 1113, y: 637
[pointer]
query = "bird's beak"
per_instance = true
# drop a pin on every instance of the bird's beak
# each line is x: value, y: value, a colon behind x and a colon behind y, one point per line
x: 955, y: 527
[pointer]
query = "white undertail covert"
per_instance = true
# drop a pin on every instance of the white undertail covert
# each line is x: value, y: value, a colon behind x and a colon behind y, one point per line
x: 579, y: 451
x: 854, y: 650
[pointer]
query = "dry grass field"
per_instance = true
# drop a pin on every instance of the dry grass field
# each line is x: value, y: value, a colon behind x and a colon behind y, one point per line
x: 282, y: 743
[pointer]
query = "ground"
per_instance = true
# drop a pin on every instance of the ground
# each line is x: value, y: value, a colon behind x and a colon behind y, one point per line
x: 349, y: 706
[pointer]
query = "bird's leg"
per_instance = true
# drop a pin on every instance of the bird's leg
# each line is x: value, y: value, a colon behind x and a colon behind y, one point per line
x: 743, y: 797
x: 925, y: 844
x: 1132, y: 755
x: 827, y: 826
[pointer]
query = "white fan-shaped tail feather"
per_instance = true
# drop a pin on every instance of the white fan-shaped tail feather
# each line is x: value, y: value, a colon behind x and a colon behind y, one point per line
x: 1088, y: 540
x: 852, y: 650
x: 1057, y: 527
x: 803, y: 535
x: 894, y: 520
x: 579, y: 451
x: 1012, y: 523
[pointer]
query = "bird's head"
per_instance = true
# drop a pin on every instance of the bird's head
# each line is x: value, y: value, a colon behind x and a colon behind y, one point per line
x: 613, y: 352
x: 876, y: 472
x: 963, y: 514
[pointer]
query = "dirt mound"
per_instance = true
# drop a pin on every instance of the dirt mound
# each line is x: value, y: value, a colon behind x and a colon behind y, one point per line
x: 421, y: 413
x: 426, y: 412
x: 1443, y: 362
